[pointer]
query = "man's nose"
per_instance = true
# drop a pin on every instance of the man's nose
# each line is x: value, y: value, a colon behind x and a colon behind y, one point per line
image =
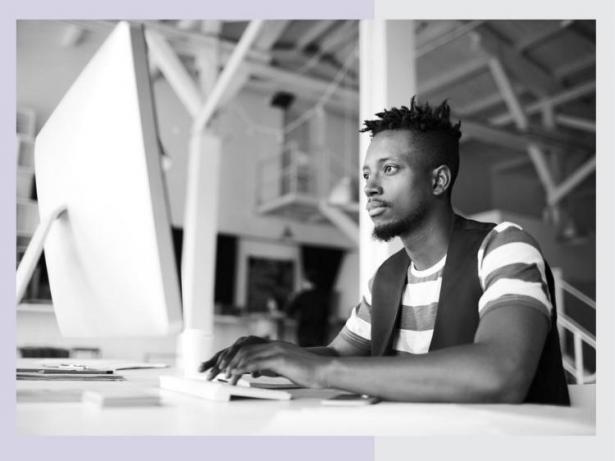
x: 372, y: 186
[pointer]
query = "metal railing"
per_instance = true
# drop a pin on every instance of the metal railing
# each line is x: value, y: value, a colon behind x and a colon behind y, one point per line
x: 574, y: 365
x: 292, y: 171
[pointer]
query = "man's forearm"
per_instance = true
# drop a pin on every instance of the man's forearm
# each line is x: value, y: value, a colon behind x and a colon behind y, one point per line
x: 323, y: 350
x: 470, y: 373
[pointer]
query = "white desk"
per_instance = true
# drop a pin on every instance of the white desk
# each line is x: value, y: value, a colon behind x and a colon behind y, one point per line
x: 304, y: 415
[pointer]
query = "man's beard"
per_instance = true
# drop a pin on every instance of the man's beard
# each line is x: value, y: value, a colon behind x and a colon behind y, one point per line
x: 403, y: 226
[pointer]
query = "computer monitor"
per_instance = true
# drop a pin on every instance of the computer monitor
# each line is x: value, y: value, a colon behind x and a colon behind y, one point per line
x: 110, y: 256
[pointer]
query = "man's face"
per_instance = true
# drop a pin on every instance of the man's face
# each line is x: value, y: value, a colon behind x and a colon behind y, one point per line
x: 397, y: 184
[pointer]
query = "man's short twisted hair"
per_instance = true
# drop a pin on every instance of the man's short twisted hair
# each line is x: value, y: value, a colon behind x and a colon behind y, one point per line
x: 433, y: 131
x: 418, y: 117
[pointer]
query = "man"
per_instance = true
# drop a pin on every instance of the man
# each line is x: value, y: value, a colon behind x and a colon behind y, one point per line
x: 310, y: 308
x: 463, y: 313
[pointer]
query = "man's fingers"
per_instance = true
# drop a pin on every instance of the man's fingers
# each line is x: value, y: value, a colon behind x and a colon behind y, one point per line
x: 256, y: 358
x: 235, y: 378
x: 226, y: 357
x: 229, y: 353
x: 221, y: 361
x: 210, y: 363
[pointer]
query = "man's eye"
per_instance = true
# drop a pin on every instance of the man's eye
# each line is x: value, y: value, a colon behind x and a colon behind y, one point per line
x: 390, y: 169
x: 366, y: 176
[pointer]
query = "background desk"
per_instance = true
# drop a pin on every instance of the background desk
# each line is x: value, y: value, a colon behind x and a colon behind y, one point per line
x: 304, y: 415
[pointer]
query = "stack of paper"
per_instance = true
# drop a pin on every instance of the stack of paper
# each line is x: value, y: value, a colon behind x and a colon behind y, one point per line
x: 120, y: 398
x: 64, y: 374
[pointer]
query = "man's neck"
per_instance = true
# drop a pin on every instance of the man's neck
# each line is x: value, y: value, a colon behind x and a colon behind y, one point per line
x: 429, y: 243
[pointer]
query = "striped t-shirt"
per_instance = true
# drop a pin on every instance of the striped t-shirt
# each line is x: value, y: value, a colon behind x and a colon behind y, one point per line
x: 511, y: 271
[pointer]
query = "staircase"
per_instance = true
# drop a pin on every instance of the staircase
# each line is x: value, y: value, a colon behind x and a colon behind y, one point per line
x: 574, y: 360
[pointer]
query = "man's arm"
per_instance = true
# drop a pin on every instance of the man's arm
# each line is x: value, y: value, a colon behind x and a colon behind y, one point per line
x: 498, y: 367
x: 220, y: 361
x: 339, y: 347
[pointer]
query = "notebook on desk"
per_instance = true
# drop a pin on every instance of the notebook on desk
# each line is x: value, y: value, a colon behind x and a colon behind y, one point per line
x: 199, y: 386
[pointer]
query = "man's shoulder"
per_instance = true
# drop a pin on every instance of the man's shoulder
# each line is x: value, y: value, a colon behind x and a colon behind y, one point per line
x: 473, y: 225
x: 509, y: 232
x: 507, y: 241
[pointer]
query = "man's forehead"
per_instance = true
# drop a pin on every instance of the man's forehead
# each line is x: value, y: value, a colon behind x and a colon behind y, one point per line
x: 397, y: 143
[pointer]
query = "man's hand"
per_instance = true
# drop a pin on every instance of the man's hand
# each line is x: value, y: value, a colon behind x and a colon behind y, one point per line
x: 220, y: 360
x: 257, y: 356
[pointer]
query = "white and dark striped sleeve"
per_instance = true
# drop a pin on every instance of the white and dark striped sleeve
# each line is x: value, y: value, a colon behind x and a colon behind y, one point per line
x: 511, y: 271
x: 358, y: 329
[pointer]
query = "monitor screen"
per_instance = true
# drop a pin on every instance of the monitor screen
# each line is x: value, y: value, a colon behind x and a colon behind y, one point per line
x: 110, y: 256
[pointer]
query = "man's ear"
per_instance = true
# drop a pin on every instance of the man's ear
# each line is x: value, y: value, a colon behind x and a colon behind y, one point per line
x: 441, y: 179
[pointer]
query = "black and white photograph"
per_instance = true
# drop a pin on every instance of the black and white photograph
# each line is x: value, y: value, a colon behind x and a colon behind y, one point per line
x: 295, y: 227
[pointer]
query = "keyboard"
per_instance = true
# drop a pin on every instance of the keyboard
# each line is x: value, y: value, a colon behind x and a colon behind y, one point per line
x: 198, y: 386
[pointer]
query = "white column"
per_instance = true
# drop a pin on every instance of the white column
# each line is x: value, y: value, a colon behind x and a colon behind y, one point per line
x: 195, y: 344
x: 388, y: 78
x: 199, y: 250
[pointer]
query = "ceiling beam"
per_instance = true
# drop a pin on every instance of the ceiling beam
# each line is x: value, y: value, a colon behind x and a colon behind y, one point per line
x: 508, y: 94
x: 572, y: 181
x: 242, y: 76
x: 300, y: 62
x: 445, y: 38
x: 187, y: 24
x: 225, y: 79
x: 563, y: 97
x: 428, y: 30
x: 189, y: 43
x: 455, y: 75
x: 587, y: 36
x: 536, y: 153
x: 539, y: 159
x: 270, y: 34
x: 211, y: 27
x: 300, y: 84
x: 492, y: 135
x: 316, y: 29
x: 525, y: 71
x: 576, y: 122
x: 541, y: 36
x: 334, y: 105
x: 575, y: 66
x: 340, y: 35
x: 496, y: 98
x: 170, y: 65
x: 516, y: 140
x: 185, y: 42
x: 486, y: 102
x: 512, y: 164
x: 541, y: 139
x: 347, y: 50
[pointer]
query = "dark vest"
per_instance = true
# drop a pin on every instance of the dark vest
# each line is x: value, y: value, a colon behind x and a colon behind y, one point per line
x: 457, y: 317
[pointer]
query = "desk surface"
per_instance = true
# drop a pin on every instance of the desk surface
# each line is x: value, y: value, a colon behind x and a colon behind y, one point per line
x: 51, y: 408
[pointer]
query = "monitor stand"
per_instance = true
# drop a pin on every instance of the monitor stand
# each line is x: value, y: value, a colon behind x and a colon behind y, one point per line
x: 33, y: 252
